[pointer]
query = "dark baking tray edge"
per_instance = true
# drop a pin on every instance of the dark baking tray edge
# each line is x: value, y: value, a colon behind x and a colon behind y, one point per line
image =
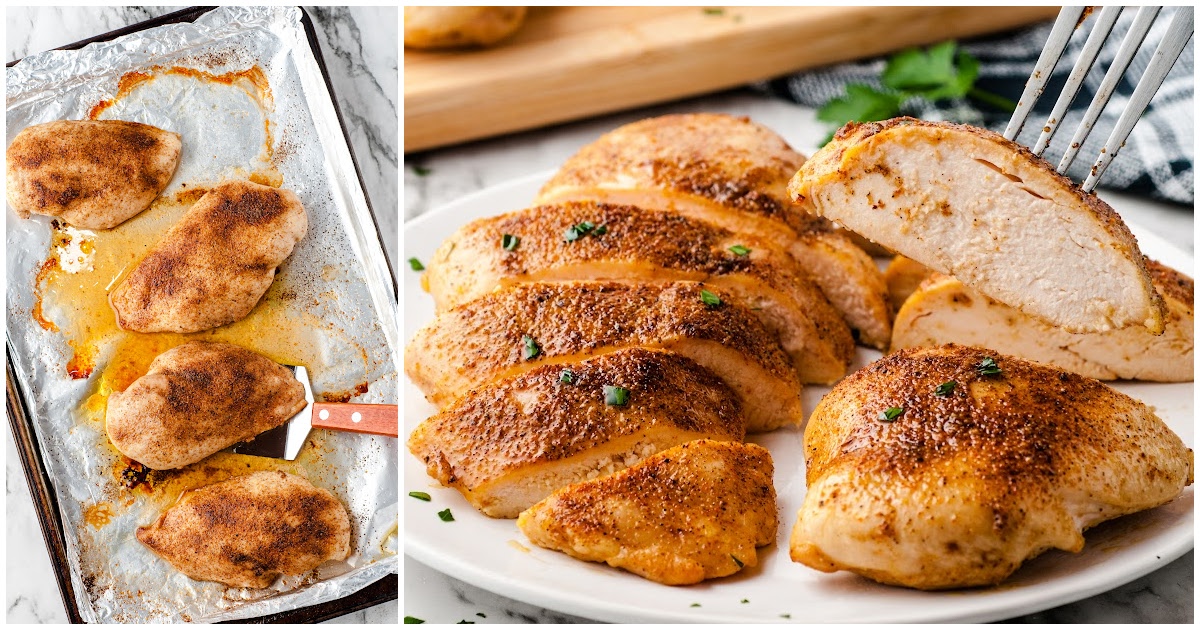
x: 42, y: 488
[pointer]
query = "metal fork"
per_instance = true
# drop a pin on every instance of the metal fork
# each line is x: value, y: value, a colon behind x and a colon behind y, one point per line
x: 1177, y: 36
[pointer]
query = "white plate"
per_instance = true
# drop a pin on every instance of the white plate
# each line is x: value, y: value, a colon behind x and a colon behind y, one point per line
x: 494, y: 555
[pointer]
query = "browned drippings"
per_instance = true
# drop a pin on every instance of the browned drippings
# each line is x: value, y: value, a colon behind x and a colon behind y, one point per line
x: 98, y: 515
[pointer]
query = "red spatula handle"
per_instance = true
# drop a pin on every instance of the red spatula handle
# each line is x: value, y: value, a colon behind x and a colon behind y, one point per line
x: 373, y: 419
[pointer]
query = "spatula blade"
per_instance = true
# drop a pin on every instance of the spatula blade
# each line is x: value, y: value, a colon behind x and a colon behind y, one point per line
x: 285, y: 440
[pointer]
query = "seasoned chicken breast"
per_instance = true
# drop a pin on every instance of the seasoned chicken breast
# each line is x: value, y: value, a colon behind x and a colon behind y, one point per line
x: 945, y: 310
x: 484, y: 340
x: 903, y: 276
x: 625, y: 243
x: 508, y: 445
x: 733, y: 173
x: 93, y: 174
x: 948, y: 467
x: 247, y: 531
x: 455, y: 27
x: 199, y: 398
x: 215, y: 264
x: 688, y: 514
x: 966, y: 202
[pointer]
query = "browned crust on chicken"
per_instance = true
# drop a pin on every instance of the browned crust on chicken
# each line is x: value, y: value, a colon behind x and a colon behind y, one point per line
x: 734, y: 173
x: 247, y: 531
x: 214, y: 265
x: 958, y: 490
x: 93, y: 174
x: 838, y: 162
x: 691, y: 513
x: 198, y: 398
x: 645, y: 245
x: 502, y: 433
x: 483, y: 340
x: 1172, y: 284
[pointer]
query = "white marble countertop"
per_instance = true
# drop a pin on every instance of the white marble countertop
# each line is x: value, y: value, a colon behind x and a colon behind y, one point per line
x: 436, y: 177
x: 360, y: 47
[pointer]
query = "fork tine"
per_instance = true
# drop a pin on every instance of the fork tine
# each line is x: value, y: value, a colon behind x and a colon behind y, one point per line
x: 1091, y: 49
x: 1129, y: 47
x: 1060, y: 35
x: 1178, y: 34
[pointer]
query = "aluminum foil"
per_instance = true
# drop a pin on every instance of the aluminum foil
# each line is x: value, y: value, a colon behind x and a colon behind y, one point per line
x: 242, y: 88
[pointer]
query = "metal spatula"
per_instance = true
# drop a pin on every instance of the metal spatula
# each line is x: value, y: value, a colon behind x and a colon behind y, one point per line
x: 286, y: 440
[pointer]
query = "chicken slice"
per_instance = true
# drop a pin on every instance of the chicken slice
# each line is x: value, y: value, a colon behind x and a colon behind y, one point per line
x: 484, y: 340
x: 945, y: 310
x: 733, y: 173
x: 508, y: 445
x: 903, y: 276
x: 625, y: 243
x: 966, y: 202
x: 214, y: 265
x: 688, y: 514
x: 934, y: 469
x: 247, y: 531
x: 93, y: 174
x: 198, y: 398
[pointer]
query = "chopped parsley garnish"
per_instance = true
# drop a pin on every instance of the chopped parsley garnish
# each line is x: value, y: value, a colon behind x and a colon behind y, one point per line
x: 531, y: 349
x: 740, y: 250
x: 579, y: 230
x: 737, y: 562
x: 465, y: 621
x: 945, y: 389
x: 566, y: 377
x: 445, y: 515
x: 786, y: 616
x: 509, y: 242
x: 408, y: 619
x: 615, y: 396
x: 745, y: 601
x: 988, y: 367
x: 420, y: 496
x: 714, y: 11
x: 695, y: 605
x: 890, y: 414
x: 421, y: 170
x: 601, y: 231
x: 709, y: 298
x: 415, y: 264
x: 481, y: 615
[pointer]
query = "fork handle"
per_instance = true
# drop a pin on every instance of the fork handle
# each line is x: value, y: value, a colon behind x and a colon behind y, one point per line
x: 357, y: 418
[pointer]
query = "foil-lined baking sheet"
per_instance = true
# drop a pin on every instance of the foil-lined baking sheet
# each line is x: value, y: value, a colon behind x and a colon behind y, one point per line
x: 243, y: 89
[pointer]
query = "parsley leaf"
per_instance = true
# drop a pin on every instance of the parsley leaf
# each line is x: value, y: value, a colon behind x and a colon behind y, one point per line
x: 509, y: 242
x: 739, y: 250
x: 445, y: 515
x: 945, y: 389
x: 861, y: 103
x: 415, y: 264
x: 566, y: 377
x: 409, y: 619
x: 420, y: 496
x: 890, y: 414
x: 709, y: 298
x: 531, y: 348
x: 615, y: 396
x: 988, y: 367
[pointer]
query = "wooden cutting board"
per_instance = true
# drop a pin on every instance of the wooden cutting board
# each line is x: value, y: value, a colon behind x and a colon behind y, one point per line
x: 571, y: 62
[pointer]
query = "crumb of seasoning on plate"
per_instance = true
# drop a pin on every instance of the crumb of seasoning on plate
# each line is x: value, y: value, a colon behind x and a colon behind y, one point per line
x: 415, y: 264
x: 421, y: 496
x: 445, y: 515
x: 408, y: 619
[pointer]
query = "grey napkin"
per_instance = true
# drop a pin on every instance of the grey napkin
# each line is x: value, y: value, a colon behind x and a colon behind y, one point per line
x: 1158, y: 159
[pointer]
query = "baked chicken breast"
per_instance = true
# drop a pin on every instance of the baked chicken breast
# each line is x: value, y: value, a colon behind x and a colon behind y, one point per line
x: 966, y: 202
x: 944, y: 310
x: 93, y: 174
x: 485, y: 340
x: 199, y: 398
x: 688, y: 514
x: 939, y: 468
x: 733, y: 173
x: 247, y: 531
x: 594, y: 241
x: 508, y: 445
x: 214, y: 265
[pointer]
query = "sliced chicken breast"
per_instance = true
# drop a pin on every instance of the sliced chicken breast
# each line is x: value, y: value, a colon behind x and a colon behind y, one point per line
x: 733, y: 173
x: 247, y: 531
x: 688, y: 514
x: 214, y: 265
x: 199, y: 398
x: 948, y: 467
x: 485, y: 340
x: 903, y: 276
x: 966, y: 202
x: 593, y: 241
x: 945, y: 310
x: 93, y: 174
x: 508, y: 445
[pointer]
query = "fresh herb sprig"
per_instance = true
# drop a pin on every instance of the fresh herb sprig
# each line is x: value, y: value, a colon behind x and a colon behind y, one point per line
x: 937, y: 73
